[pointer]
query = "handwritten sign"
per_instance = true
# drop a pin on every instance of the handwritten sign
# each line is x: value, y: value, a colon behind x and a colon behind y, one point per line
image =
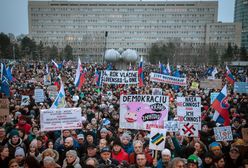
x: 223, y: 133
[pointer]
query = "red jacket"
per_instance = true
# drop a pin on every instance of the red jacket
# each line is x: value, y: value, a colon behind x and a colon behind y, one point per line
x: 122, y: 155
x: 132, y: 158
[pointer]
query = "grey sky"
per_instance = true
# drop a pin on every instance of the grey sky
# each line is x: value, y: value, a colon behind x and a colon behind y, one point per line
x: 14, y: 15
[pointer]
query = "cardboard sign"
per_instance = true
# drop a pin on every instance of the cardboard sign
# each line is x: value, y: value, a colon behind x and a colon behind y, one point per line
x: 120, y: 77
x: 245, y: 134
x: 189, y: 109
x: 211, y: 84
x: 223, y: 133
x: 241, y: 87
x: 4, y: 110
x: 157, y: 139
x: 47, y: 79
x: 156, y: 77
x: 143, y: 112
x: 39, y: 95
x: 157, y: 91
x: 189, y: 129
x: 25, y: 100
x: 171, y: 126
x: 60, y: 119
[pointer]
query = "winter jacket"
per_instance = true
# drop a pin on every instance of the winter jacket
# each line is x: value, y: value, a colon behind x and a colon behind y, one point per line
x: 75, y: 164
x: 12, y: 147
x: 121, y: 156
x: 128, y: 148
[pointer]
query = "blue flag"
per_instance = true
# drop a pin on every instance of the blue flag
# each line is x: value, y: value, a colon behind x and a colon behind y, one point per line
x: 9, y: 74
x: 5, y: 81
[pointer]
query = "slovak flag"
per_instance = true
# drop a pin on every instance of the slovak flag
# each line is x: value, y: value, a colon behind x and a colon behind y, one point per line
x: 221, y: 105
x: 140, y: 73
x: 229, y: 76
x: 80, y: 75
x: 55, y: 64
x: 97, y: 78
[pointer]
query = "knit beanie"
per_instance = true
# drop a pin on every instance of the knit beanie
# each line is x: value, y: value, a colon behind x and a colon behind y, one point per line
x: 19, y: 152
x: 214, y: 146
x: 193, y: 159
x: 13, y: 133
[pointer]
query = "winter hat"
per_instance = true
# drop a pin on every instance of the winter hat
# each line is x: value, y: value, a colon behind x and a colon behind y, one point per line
x: 105, y: 149
x: 214, y: 146
x: 72, y: 152
x: 80, y: 136
x: 105, y: 122
x: 19, y: 152
x: 13, y: 133
x: 104, y: 130
x: 193, y: 159
x: 166, y: 152
x: 126, y: 135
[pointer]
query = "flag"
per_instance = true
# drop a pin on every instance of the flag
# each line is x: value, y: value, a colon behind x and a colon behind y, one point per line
x: 47, y: 69
x: 80, y: 75
x: 140, y: 73
x: 59, y: 102
x: 168, y: 68
x: 209, y: 71
x: 218, y: 118
x: 221, y: 105
x: 229, y: 76
x: 5, y: 81
x: 214, y: 72
x: 55, y: 64
x: 109, y: 67
x: 57, y: 82
x: 9, y: 73
x: 176, y: 74
x: 162, y: 68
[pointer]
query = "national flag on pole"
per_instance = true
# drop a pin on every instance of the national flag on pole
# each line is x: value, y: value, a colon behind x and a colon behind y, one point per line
x: 47, y: 69
x: 9, y: 73
x: 214, y: 72
x: 57, y: 82
x: 221, y: 105
x: 168, y: 68
x: 55, y: 64
x: 229, y: 76
x: 59, y: 102
x: 80, y: 75
x: 140, y: 73
x: 5, y: 81
x: 163, y: 69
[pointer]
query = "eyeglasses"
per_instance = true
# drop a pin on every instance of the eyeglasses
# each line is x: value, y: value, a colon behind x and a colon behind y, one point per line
x: 141, y: 158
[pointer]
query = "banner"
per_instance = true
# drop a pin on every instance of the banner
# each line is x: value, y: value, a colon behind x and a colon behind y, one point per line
x: 120, y: 77
x: 211, y: 84
x: 4, y: 110
x: 156, y: 77
x: 223, y: 133
x: 39, y: 95
x: 240, y: 87
x: 47, y: 79
x: 25, y: 100
x: 143, y: 112
x: 157, y: 139
x: 60, y: 119
x: 157, y: 91
x: 171, y: 126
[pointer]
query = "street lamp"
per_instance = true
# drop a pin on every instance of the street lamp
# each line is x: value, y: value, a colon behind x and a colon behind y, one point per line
x: 105, y: 45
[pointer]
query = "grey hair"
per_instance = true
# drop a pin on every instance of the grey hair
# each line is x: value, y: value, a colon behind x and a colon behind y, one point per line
x: 49, y: 161
x: 173, y: 162
x: 137, y: 142
x: 90, y: 158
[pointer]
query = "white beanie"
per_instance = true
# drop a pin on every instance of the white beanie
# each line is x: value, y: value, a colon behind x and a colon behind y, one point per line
x: 19, y: 152
x: 166, y: 152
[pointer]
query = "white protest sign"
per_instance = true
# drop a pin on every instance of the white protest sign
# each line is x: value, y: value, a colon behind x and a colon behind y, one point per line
x: 157, y: 77
x: 171, y: 126
x: 120, y: 77
x: 223, y: 133
x: 59, y: 119
x: 39, y: 95
x: 189, y: 129
x: 25, y: 100
x: 143, y: 112
x: 189, y: 109
x: 47, y: 79
x: 157, y: 91
x: 158, y: 138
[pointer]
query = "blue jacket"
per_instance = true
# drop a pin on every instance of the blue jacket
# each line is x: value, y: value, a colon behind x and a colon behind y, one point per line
x: 128, y: 148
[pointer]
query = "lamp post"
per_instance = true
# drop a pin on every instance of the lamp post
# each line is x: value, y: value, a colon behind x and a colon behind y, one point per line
x: 105, y: 45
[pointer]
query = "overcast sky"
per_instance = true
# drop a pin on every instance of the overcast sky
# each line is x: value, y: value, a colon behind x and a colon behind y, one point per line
x: 14, y: 15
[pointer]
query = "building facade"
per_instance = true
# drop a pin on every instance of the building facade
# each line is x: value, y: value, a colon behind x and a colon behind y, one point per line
x: 241, y: 16
x: 129, y: 24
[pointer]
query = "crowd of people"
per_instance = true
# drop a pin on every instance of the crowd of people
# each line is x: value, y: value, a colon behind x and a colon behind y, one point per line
x: 101, y: 142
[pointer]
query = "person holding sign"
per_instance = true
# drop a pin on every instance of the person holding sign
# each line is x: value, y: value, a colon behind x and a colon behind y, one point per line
x: 164, y: 161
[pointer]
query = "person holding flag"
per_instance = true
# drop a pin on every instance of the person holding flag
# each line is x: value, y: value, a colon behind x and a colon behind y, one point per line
x: 229, y: 76
x: 80, y: 75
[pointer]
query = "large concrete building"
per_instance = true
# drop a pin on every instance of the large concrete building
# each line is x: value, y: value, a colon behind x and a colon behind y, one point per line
x: 129, y: 24
x: 241, y: 16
